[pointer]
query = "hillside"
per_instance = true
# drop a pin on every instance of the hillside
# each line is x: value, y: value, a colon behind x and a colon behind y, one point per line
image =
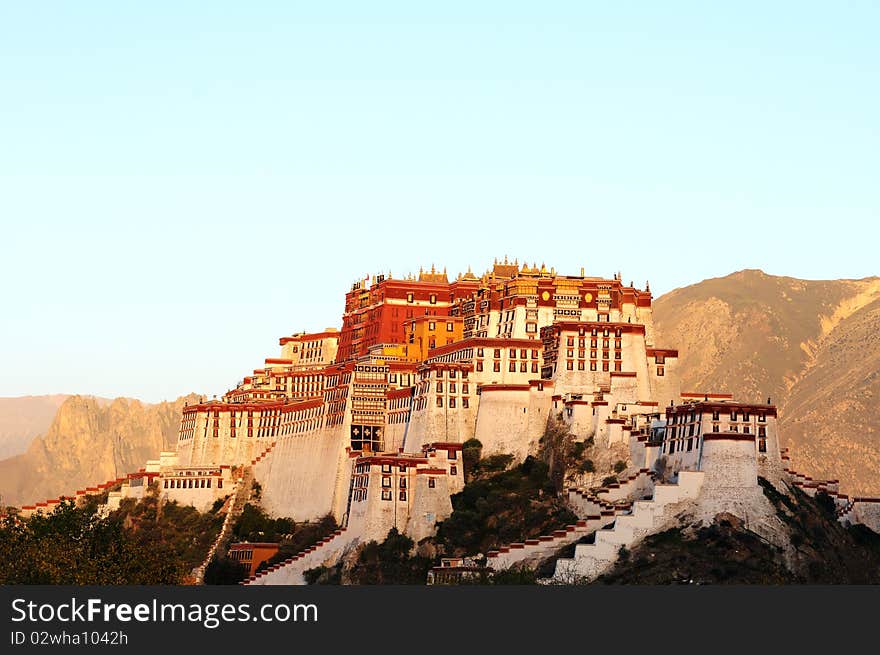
x: 823, y: 551
x: 23, y: 418
x: 808, y: 345
x: 89, y: 441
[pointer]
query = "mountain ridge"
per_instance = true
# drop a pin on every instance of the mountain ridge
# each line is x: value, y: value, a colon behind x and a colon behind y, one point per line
x: 806, y: 344
x: 90, y: 441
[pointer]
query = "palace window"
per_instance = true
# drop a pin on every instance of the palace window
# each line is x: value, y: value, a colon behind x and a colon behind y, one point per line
x: 432, y: 325
x: 433, y: 299
x: 403, y: 483
x: 580, y: 365
x: 513, y: 353
x: 386, y: 494
x: 498, y: 353
x: 762, y: 445
x: 762, y: 417
x: 386, y: 468
x: 570, y: 341
x: 449, y: 327
x: 409, y: 297
x: 386, y: 480
x: 660, y: 372
x: 762, y: 431
x: 453, y: 470
x: 480, y: 365
x: 403, y: 495
x: 479, y: 352
x: 605, y: 366
x: 715, y: 427
x: 715, y: 415
x: 439, y: 401
x: 439, y: 387
x: 523, y: 367
x: 592, y: 366
x: 430, y: 483
x: 534, y: 354
x: 496, y: 367
x: 746, y: 429
x: 452, y: 402
x: 569, y: 365
x: 534, y: 367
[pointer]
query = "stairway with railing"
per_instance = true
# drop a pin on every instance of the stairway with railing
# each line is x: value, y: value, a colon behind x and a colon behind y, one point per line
x: 292, y: 570
x: 596, y: 508
x: 646, y: 516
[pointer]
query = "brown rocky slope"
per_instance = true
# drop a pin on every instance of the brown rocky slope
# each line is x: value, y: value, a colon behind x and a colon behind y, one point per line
x: 810, y: 345
x: 90, y: 441
x: 23, y: 418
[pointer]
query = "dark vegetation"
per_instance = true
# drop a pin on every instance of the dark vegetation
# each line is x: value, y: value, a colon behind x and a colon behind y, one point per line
x: 726, y: 552
x: 255, y: 525
x: 390, y: 562
x: 500, y: 506
x: 141, y: 543
x: 559, y: 450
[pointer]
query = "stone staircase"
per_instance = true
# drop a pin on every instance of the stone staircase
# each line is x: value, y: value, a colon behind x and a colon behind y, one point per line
x: 589, y: 502
x: 646, y: 516
x: 290, y: 571
x: 596, y: 508
x: 240, y: 496
x: 532, y: 551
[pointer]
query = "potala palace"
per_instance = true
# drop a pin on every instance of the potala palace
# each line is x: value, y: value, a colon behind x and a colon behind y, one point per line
x: 366, y: 422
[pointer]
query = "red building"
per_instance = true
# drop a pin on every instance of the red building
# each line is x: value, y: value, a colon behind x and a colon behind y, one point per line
x: 376, y: 313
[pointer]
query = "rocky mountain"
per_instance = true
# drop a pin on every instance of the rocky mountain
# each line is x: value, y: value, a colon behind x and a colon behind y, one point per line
x: 23, y: 418
x: 809, y: 345
x: 90, y: 441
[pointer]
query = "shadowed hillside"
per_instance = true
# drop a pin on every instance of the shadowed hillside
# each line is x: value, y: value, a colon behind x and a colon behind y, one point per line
x: 809, y: 345
x: 90, y: 441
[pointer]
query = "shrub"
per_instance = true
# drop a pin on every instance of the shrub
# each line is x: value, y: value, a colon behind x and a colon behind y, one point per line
x: 224, y: 571
x: 390, y: 562
x: 619, y: 466
x: 587, y: 466
x: 471, y: 450
x: 609, y: 481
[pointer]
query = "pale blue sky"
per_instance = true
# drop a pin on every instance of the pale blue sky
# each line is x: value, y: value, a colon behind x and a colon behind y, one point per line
x: 183, y: 182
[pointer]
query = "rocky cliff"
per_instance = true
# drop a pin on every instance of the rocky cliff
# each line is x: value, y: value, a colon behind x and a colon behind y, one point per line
x: 809, y: 345
x: 23, y: 418
x: 88, y: 442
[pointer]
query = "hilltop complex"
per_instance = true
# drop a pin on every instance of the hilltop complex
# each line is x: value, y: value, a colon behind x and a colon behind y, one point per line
x: 367, y: 422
